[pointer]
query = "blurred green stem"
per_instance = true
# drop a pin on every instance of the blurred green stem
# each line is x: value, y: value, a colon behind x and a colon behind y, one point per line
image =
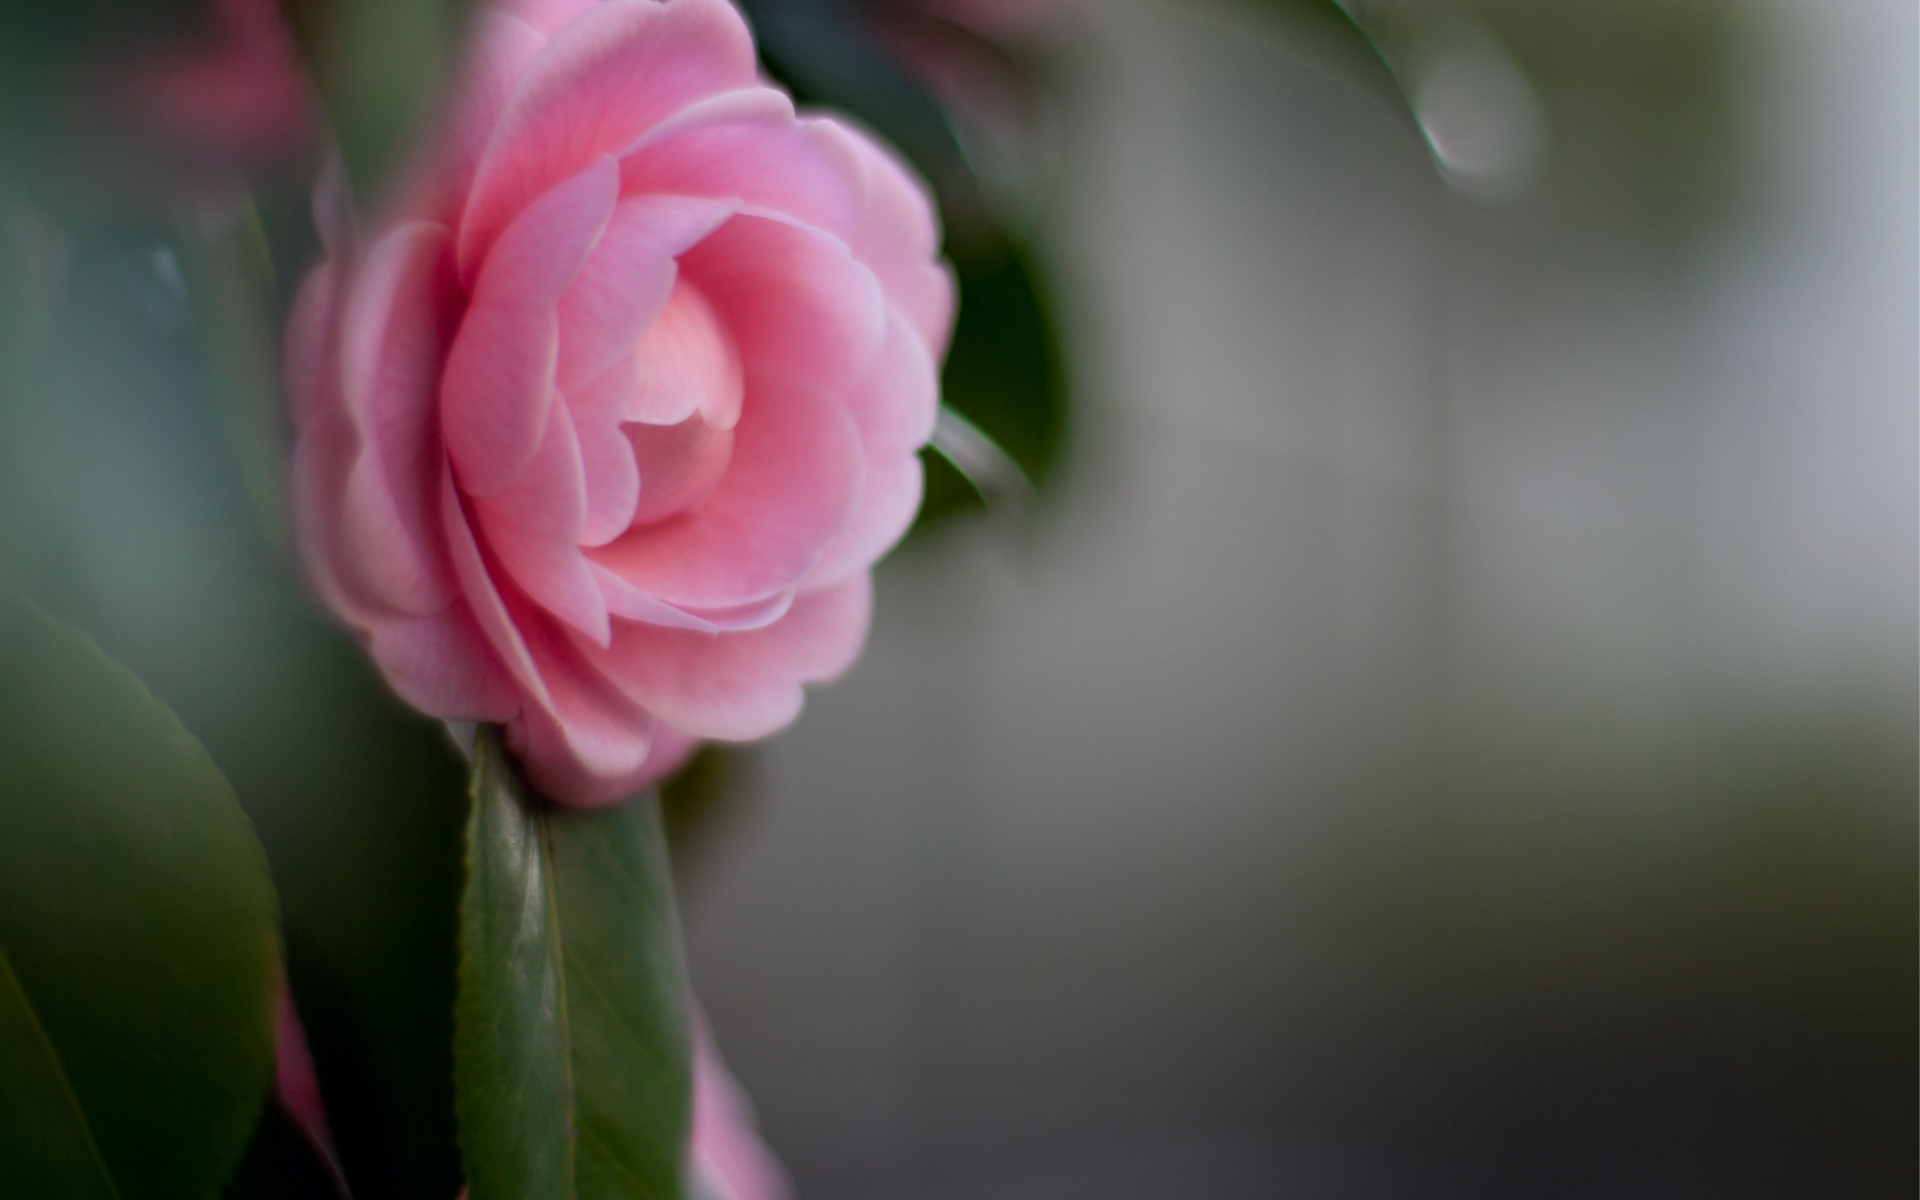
x: 229, y: 280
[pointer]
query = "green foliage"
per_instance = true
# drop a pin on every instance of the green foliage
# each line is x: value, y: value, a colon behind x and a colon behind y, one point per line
x: 572, y: 1072
x: 380, y: 67
x: 123, y: 509
x: 1003, y: 372
x: 138, y: 954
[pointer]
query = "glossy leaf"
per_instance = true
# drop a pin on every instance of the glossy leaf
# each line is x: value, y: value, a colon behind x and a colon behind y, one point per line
x: 571, y: 1049
x: 138, y: 952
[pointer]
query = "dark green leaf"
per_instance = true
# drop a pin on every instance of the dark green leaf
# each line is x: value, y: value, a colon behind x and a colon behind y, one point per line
x: 137, y: 927
x: 571, y: 1053
x: 1004, y: 371
x: 121, y: 507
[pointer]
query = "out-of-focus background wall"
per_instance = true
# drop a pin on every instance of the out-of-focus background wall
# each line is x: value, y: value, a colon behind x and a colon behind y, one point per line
x: 1452, y: 733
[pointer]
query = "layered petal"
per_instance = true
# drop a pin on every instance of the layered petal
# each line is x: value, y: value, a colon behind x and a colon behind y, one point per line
x: 503, y: 45
x: 393, y: 342
x: 894, y: 406
x: 686, y: 364
x: 679, y: 465
x: 499, y: 378
x: 533, y: 527
x: 738, y: 686
x: 309, y: 344
x: 588, y: 737
x: 441, y: 664
x: 750, y: 146
x: 483, y: 598
x: 602, y: 429
x: 816, y: 171
x: 610, y: 474
x: 605, y: 78
x: 792, y: 483
x: 897, y: 234
x: 627, y: 279
x: 796, y: 301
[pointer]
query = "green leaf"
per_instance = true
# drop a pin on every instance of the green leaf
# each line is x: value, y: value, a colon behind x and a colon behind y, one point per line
x: 380, y: 67
x: 572, y: 1073
x: 1004, y: 372
x: 138, y: 951
x: 123, y: 510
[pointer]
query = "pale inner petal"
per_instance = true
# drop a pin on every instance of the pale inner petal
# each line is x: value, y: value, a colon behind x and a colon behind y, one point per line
x: 685, y: 364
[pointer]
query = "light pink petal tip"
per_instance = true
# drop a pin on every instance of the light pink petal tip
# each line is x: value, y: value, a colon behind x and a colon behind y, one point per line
x: 296, y: 1087
x: 728, y: 1161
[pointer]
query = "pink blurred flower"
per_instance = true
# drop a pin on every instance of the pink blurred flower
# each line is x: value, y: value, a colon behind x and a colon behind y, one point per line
x: 233, y: 94
x: 727, y: 1160
x: 602, y: 427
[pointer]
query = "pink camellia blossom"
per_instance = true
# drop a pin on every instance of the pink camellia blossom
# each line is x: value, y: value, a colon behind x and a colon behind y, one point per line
x: 603, y: 425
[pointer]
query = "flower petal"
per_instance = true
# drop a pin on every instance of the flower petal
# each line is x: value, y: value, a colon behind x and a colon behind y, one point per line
x: 309, y: 339
x: 795, y: 299
x: 442, y: 665
x: 892, y: 484
x: 483, y: 596
x: 626, y: 600
x: 680, y: 465
x: 626, y: 280
x: 502, y: 47
x: 394, y: 337
x: 500, y: 373
x: 791, y: 485
x: 741, y: 685
x: 817, y: 171
x: 605, y: 78
x: 750, y: 146
x: 611, y: 475
x: 897, y: 234
x: 588, y: 730
x: 686, y: 364
x: 533, y: 527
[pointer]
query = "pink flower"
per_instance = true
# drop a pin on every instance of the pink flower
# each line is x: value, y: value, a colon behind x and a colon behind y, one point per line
x: 236, y: 94
x: 727, y: 1160
x: 602, y: 427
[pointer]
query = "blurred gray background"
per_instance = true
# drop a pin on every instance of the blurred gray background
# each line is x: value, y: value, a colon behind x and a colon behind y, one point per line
x: 1453, y: 732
